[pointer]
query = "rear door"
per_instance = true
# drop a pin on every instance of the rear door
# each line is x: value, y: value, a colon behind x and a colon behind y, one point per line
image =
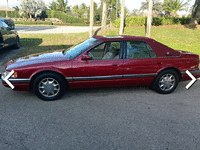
x: 140, y: 64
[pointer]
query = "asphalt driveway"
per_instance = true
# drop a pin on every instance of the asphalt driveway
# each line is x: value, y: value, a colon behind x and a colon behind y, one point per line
x: 103, y: 118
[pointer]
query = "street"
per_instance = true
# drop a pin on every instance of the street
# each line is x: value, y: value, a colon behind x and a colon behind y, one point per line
x: 52, y: 29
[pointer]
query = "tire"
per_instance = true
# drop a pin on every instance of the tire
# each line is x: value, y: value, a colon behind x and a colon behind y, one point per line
x: 54, y: 89
x: 17, y: 43
x: 166, y: 82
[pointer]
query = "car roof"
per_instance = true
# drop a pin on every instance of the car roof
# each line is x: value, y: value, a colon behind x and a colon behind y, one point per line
x: 120, y: 37
x: 160, y: 49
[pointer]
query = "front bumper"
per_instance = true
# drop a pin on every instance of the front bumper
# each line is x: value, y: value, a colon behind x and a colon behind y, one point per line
x: 19, y: 84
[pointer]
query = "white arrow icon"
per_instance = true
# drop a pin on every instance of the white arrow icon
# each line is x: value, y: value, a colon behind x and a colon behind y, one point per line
x: 7, y: 81
x: 191, y: 82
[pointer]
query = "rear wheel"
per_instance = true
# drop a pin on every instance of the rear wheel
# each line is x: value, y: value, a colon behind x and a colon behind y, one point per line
x: 49, y: 86
x: 166, y: 82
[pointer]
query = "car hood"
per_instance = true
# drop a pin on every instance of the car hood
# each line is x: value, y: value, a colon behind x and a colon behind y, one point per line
x: 36, y: 59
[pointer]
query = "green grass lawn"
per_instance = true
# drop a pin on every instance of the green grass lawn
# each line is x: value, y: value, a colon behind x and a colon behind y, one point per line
x: 176, y: 38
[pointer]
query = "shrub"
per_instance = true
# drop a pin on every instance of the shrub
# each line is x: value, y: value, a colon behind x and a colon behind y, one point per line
x: 157, y: 21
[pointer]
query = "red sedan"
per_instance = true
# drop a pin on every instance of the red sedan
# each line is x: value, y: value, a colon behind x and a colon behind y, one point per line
x: 103, y: 62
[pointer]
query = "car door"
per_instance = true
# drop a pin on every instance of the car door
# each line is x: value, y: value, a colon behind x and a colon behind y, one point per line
x: 103, y: 70
x: 10, y: 35
x: 3, y: 35
x: 140, y: 64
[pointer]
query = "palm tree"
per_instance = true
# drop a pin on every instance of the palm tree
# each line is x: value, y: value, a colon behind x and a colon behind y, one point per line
x: 7, y: 10
x: 122, y: 18
x: 157, y: 7
x: 172, y: 6
x: 91, y: 17
x: 104, y: 14
x: 196, y: 10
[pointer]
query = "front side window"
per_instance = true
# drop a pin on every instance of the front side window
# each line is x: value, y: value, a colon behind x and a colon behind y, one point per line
x: 138, y: 50
x: 105, y: 51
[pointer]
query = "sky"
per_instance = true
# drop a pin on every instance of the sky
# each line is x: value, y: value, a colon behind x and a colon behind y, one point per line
x: 130, y: 4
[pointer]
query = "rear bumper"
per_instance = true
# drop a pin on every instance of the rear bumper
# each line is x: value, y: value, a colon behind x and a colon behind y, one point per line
x: 195, y: 73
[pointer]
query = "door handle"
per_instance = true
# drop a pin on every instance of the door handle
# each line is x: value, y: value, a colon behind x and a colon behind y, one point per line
x: 159, y: 63
x: 115, y: 65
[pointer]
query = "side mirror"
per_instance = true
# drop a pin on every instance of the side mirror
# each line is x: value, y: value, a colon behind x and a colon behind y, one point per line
x: 85, y: 57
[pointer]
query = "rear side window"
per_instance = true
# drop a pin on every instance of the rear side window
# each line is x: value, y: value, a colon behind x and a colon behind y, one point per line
x: 138, y: 50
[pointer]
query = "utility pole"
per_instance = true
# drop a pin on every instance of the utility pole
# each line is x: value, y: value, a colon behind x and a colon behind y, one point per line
x: 148, y: 29
x: 122, y: 18
x: 104, y: 14
x: 91, y: 16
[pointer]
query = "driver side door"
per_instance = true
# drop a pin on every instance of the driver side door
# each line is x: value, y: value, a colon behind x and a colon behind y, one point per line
x: 105, y: 67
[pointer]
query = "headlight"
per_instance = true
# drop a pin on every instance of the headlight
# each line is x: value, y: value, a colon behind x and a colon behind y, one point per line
x: 5, y: 73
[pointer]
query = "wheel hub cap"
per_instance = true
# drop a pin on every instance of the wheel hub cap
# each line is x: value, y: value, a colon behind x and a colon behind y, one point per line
x: 167, y: 82
x: 49, y: 87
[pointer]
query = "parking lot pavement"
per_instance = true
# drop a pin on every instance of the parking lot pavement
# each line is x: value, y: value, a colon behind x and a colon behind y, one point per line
x: 53, y: 29
x: 103, y: 118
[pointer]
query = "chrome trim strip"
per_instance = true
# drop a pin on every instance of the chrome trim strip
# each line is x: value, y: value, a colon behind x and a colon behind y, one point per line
x: 96, y: 78
x: 109, y: 77
x: 17, y: 80
x: 139, y: 75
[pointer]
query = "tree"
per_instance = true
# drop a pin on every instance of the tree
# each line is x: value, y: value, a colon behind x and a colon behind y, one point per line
x: 31, y: 7
x: 196, y: 11
x: 91, y: 16
x: 7, y: 10
x: 122, y: 18
x: 104, y: 14
x: 149, y: 19
x: 156, y: 6
x: 172, y: 6
x: 53, y: 5
x: 61, y: 5
x: 76, y: 10
x: 135, y: 12
x: 83, y: 10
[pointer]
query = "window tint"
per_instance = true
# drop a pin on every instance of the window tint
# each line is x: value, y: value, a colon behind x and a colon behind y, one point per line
x: 105, y: 51
x: 139, y: 49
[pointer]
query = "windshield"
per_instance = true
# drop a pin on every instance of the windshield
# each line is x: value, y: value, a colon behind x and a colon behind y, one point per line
x: 74, y: 51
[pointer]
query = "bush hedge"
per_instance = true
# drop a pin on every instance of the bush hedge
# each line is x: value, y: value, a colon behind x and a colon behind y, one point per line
x: 156, y: 21
x: 64, y: 17
x: 11, y: 14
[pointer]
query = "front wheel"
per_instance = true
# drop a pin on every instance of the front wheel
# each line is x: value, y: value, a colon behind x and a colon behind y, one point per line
x: 49, y: 86
x: 166, y: 82
x: 17, y: 43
